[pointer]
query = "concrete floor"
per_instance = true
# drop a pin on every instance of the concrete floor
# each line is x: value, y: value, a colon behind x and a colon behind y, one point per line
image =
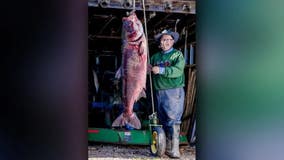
x: 118, y: 152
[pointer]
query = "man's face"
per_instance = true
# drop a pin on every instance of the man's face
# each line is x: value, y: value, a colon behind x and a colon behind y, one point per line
x: 166, y: 42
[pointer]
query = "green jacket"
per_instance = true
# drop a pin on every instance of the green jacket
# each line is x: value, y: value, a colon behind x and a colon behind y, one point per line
x: 172, y: 75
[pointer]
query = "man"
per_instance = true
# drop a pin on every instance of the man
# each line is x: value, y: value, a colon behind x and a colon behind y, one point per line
x: 168, y: 82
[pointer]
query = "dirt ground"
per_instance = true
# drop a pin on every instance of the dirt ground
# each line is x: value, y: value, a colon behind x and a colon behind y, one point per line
x: 131, y: 152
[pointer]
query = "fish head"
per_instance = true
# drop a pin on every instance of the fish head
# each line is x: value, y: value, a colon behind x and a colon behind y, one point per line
x: 132, y: 26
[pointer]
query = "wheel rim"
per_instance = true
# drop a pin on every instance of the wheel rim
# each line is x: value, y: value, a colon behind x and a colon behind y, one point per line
x: 154, y: 142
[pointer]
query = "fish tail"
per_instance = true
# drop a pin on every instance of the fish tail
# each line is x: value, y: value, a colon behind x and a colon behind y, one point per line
x: 134, y: 121
x: 123, y: 120
x: 119, y: 121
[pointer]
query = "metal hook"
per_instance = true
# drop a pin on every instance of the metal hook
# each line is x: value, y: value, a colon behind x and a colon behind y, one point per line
x: 134, y: 5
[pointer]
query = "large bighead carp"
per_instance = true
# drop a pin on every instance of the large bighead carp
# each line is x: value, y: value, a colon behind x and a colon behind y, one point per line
x: 133, y: 69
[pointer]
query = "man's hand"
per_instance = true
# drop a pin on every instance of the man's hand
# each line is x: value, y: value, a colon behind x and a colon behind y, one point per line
x: 155, y: 70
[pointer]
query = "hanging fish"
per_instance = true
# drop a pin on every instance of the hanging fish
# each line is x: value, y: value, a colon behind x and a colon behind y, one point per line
x: 133, y: 69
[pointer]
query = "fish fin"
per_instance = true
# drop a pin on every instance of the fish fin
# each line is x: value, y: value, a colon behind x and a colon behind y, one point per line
x: 142, y: 94
x: 118, y: 73
x: 119, y: 121
x: 141, y: 49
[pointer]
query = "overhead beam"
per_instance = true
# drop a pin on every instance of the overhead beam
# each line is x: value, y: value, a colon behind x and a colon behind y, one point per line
x: 169, y: 6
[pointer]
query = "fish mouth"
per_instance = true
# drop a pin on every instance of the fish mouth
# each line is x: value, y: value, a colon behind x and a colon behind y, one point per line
x: 132, y: 38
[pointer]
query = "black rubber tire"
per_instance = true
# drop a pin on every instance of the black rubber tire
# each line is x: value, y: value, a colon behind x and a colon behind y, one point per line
x: 158, y: 141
